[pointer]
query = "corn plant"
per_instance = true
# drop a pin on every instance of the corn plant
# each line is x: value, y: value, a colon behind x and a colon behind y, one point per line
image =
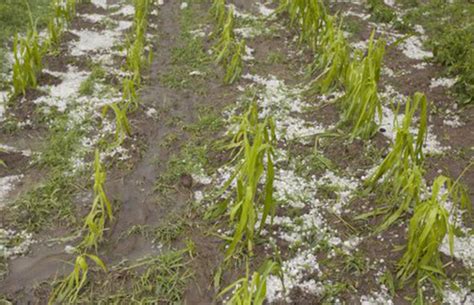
x: 332, y: 57
x: 67, y: 292
x: 129, y: 93
x: 64, y: 9
x: 226, y: 42
x: 401, y: 170
x: 135, y: 56
x: 55, y: 30
x: 428, y: 227
x: 218, y: 12
x: 234, y: 67
x: 253, y: 145
x: 101, y: 208
x: 229, y: 51
x: 136, y: 59
x: 308, y: 16
x: 361, y: 102
x: 122, y: 126
x: 142, y: 8
x: 27, y: 59
x: 252, y: 291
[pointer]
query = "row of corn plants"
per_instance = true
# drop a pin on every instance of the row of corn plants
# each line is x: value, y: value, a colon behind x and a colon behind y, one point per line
x: 400, y: 175
x: 28, y: 50
x: 334, y: 66
x: 136, y: 61
x: 228, y: 50
x: 253, y: 148
x: 68, y: 289
x: 27, y: 54
x: 253, y: 153
x: 247, y: 200
x: 399, y: 178
x: 254, y: 141
x: 361, y: 103
x: 401, y: 172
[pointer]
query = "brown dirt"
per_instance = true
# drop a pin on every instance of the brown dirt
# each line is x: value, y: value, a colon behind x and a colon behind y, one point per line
x: 15, y: 162
x: 81, y: 23
x: 62, y: 60
x: 48, y: 79
x: 89, y: 8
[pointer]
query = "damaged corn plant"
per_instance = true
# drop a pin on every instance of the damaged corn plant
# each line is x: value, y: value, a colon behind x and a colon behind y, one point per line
x: 67, y: 290
x: 429, y: 226
x: 122, y: 125
x: 136, y: 58
x: 246, y: 198
x: 332, y: 58
x: 64, y: 9
x: 402, y: 171
x: 218, y: 13
x: 229, y: 51
x: 101, y: 209
x: 308, y: 16
x: 252, y: 289
x: 361, y: 103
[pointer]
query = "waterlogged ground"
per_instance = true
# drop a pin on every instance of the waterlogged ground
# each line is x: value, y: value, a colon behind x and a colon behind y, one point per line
x: 163, y: 178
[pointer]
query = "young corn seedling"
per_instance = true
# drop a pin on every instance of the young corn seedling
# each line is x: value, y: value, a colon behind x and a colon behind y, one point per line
x: 252, y: 290
x: 101, y: 208
x: 308, y: 15
x: 67, y: 291
x: 361, y: 102
x: 333, y: 57
x: 122, y: 126
x: 428, y: 227
x: 254, y: 146
x: 401, y: 171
